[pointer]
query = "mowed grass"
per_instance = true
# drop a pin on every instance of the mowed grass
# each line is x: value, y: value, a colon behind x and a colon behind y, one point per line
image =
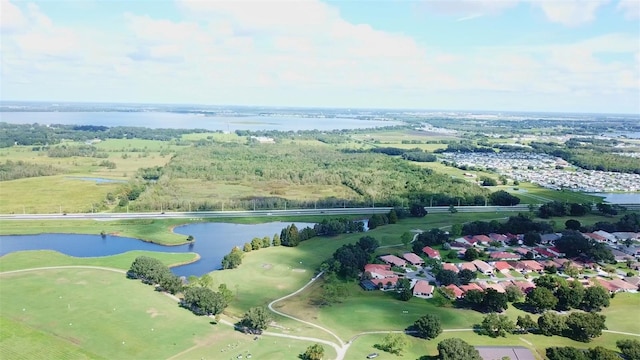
x: 100, y: 312
x: 419, y: 347
x: 51, y: 194
x: 43, y: 258
x: 622, y: 313
x: 97, y: 314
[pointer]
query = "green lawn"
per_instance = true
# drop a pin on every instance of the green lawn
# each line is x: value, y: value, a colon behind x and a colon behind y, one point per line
x: 41, y: 258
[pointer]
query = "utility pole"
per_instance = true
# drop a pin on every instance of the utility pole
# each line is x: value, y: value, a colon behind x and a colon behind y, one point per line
x: 285, y: 206
x: 254, y: 204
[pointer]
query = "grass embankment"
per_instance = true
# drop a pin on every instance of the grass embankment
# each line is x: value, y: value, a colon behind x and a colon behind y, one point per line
x: 43, y: 258
x: 71, y: 313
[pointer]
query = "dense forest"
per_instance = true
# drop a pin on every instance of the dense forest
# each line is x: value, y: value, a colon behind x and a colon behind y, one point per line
x: 39, y: 135
x: 12, y: 170
x: 363, y: 178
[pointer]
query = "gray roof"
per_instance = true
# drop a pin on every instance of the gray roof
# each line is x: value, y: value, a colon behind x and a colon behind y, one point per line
x: 498, y: 352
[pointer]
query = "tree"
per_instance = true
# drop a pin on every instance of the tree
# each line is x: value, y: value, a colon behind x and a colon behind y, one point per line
x: 406, y: 238
x: 203, y: 301
x: 266, y: 242
x: 466, y: 276
x: 417, y: 210
x: 446, y: 277
x: 471, y: 254
x: 313, y: 352
x: 226, y: 293
x: 257, y: 318
x: 457, y: 349
x: 368, y: 244
x: 404, y: 287
x: 513, y: 293
x: 247, y: 247
x: 494, y: 301
x: 290, y: 236
x: 456, y: 230
x: 541, y: 299
x: 629, y: 348
x: 276, y: 240
x: 595, y: 298
x: 550, y: 282
x: 585, y: 326
x: 474, y: 299
x: 394, y: 343
x: 531, y: 238
x: 570, y: 295
x: 572, y: 224
x: 526, y: 323
x: 233, y: 259
x: 487, y: 181
x: 600, y: 353
x: 428, y: 326
x: 551, y: 324
x: 393, y: 216
x: 566, y: 353
x: 256, y: 243
x: 496, y: 325
x: 503, y: 198
x: 170, y: 283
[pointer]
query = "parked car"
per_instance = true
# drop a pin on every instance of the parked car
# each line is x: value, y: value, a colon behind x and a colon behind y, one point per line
x: 372, y: 356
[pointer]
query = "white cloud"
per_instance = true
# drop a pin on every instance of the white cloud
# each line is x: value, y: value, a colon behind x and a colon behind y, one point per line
x: 469, y: 7
x: 631, y: 9
x: 11, y: 17
x: 570, y: 12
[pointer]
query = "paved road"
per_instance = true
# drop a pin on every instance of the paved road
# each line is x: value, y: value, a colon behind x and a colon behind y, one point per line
x: 255, y: 213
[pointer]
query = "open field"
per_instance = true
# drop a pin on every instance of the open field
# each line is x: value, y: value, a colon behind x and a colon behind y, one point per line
x: 43, y: 258
x: 418, y: 347
x: 90, y: 313
x: 52, y: 194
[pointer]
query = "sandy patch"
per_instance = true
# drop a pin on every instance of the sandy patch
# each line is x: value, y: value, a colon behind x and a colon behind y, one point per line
x: 299, y: 270
x: 153, y: 312
x: 62, y: 281
x: 280, y: 287
x: 267, y: 266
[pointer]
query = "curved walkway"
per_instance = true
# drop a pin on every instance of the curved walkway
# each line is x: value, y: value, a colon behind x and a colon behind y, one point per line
x: 340, y: 348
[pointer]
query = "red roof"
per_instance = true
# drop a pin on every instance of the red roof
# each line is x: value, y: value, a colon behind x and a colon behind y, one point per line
x: 522, y: 250
x: 393, y: 260
x: 532, y: 265
x: 482, y: 238
x: 456, y: 290
x: 431, y: 252
x: 422, y: 287
x: 606, y: 284
x: 413, y: 258
x: 470, y: 286
x: 468, y: 266
x: 502, y: 265
x: 544, y: 252
x: 555, y: 250
x: 503, y: 255
x: 496, y: 287
x: 450, y: 266
x: 524, y: 285
x: 373, y: 267
x: 498, y: 237
x: 595, y: 236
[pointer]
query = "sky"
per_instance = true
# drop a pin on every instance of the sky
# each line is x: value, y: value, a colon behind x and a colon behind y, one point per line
x: 502, y: 55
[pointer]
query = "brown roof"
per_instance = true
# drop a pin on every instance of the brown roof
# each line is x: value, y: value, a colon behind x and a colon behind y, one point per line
x: 422, y: 287
x: 451, y: 267
x: 456, y: 290
x: 413, y: 258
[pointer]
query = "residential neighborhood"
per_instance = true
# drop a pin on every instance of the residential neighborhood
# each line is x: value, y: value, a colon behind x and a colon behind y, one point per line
x: 507, y: 266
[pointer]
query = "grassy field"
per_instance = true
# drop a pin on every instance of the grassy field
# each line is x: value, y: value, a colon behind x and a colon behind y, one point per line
x: 52, y: 195
x: 75, y: 314
x: 43, y: 258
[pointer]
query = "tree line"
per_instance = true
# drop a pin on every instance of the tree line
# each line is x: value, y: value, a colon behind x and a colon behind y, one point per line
x: 13, y: 170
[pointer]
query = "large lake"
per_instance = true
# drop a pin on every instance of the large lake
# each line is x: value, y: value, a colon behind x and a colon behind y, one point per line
x: 213, y: 242
x: 190, y: 121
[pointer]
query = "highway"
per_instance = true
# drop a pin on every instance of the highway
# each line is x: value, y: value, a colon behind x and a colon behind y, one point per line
x: 263, y: 213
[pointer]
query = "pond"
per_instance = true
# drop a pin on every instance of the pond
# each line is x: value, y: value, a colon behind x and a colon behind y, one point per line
x: 212, y: 242
x: 620, y: 198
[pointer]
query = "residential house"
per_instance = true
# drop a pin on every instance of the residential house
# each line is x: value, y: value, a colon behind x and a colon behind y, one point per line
x: 502, y: 266
x: 522, y: 251
x: 468, y: 239
x: 386, y: 284
x: 393, y: 260
x: 470, y: 286
x: 620, y: 256
x: 481, y: 239
x: 499, y: 237
x: 467, y: 266
x: 451, y: 267
x: 503, y: 255
x: 549, y: 238
x: 483, y: 267
x: 457, y: 292
x: 413, y: 259
x: 625, y: 235
x: 623, y: 285
x: 633, y: 280
x: 609, y: 237
x: 595, y: 237
x: 379, y: 271
x: 630, y: 250
x: 524, y: 285
x: 422, y: 289
x: 542, y: 252
x: 433, y: 254
x: 554, y: 250
x: 532, y: 265
x: 497, y: 287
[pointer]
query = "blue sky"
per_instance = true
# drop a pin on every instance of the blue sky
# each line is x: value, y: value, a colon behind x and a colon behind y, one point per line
x: 520, y: 55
